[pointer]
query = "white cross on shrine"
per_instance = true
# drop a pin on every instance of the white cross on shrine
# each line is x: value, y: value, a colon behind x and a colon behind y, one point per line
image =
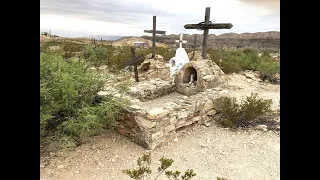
x: 181, y: 41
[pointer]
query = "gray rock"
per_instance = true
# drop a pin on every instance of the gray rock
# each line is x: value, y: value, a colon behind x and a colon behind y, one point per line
x: 204, y: 145
x: 261, y: 127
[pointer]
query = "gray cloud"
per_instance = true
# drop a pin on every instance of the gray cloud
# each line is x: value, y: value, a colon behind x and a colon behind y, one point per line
x: 273, y: 5
x: 114, y: 11
x: 171, y: 18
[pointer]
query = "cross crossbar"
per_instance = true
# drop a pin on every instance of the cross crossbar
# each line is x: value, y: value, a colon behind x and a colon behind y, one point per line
x: 205, y: 26
x: 157, y: 32
x: 209, y: 26
x: 154, y: 32
x: 180, y: 41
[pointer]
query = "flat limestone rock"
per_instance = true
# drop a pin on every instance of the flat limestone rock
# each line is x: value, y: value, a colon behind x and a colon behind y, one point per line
x: 156, y: 113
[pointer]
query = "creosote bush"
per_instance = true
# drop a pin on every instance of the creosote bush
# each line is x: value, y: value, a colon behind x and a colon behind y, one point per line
x: 143, y: 171
x: 235, y: 115
x: 69, y: 104
x: 70, y: 48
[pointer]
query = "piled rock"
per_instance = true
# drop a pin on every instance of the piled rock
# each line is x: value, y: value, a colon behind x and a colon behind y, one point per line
x: 154, y: 68
x: 197, y: 56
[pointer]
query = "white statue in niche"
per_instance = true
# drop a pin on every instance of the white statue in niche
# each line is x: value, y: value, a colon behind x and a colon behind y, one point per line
x: 191, y: 78
x: 180, y: 59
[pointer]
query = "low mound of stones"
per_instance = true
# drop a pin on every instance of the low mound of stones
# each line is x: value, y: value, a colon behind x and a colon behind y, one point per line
x: 151, y: 124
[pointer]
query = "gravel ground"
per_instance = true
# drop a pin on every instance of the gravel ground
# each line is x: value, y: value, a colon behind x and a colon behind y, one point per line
x: 209, y: 151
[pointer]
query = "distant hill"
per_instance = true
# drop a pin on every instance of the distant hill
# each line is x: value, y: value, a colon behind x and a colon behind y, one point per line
x: 264, y: 40
x: 107, y: 38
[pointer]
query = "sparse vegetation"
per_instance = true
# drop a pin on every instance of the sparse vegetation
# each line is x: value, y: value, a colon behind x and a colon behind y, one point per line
x: 123, y: 87
x: 247, y: 59
x: 220, y: 178
x: 240, y: 115
x: 68, y: 89
x: 144, y: 170
x: 115, y: 57
x: 70, y: 48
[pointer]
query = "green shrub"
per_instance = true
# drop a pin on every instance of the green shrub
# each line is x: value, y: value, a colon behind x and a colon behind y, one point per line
x: 70, y: 48
x: 249, y: 51
x: 252, y: 107
x: 235, y: 115
x: 143, y: 171
x: 65, y: 86
x: 269, y: 69
x: 67, y: 143
x: 231, y: 61
x: 87, y: 52
x: 91, y: 120
x: 121, y: 56
x: 123, y: 87
x: 230, y: 110
x: 44, y: 46
x: 166, y: 53
x: 69, y: 103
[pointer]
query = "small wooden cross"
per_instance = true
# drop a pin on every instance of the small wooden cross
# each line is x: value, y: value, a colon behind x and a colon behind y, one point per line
x: 154, y: 32
x: 205, y: 26
x: 181, y: 41
x: 135, y: 59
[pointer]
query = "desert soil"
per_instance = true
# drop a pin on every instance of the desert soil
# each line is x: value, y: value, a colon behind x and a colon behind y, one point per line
x: 210, y: 151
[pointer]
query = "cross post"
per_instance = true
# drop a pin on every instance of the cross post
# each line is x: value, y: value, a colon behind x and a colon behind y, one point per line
x: 154, y: 32
x: 205, y: 26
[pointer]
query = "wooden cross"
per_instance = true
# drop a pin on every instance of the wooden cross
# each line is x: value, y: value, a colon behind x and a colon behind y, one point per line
x: 206, y: 25
x: 181, y: 41
x: 135, y: 59
x: 154, y: 32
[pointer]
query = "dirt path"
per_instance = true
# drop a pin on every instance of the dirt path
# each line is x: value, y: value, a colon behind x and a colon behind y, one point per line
x: 209, y: 151
x: 239, y: 86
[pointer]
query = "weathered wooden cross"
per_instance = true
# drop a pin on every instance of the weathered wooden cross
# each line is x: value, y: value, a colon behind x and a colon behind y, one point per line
x: 206, y: 25
x: 181, y: 41
x: 133, y: 62
x: 154, y: 32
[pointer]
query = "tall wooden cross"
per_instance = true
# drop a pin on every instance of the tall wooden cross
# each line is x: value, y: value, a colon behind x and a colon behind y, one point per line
x: 154, y: 32
x: 181, y: 41
x: 205, y: 26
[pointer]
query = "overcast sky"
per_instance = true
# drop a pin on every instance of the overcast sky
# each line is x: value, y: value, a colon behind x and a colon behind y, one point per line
x: 75, y: 18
